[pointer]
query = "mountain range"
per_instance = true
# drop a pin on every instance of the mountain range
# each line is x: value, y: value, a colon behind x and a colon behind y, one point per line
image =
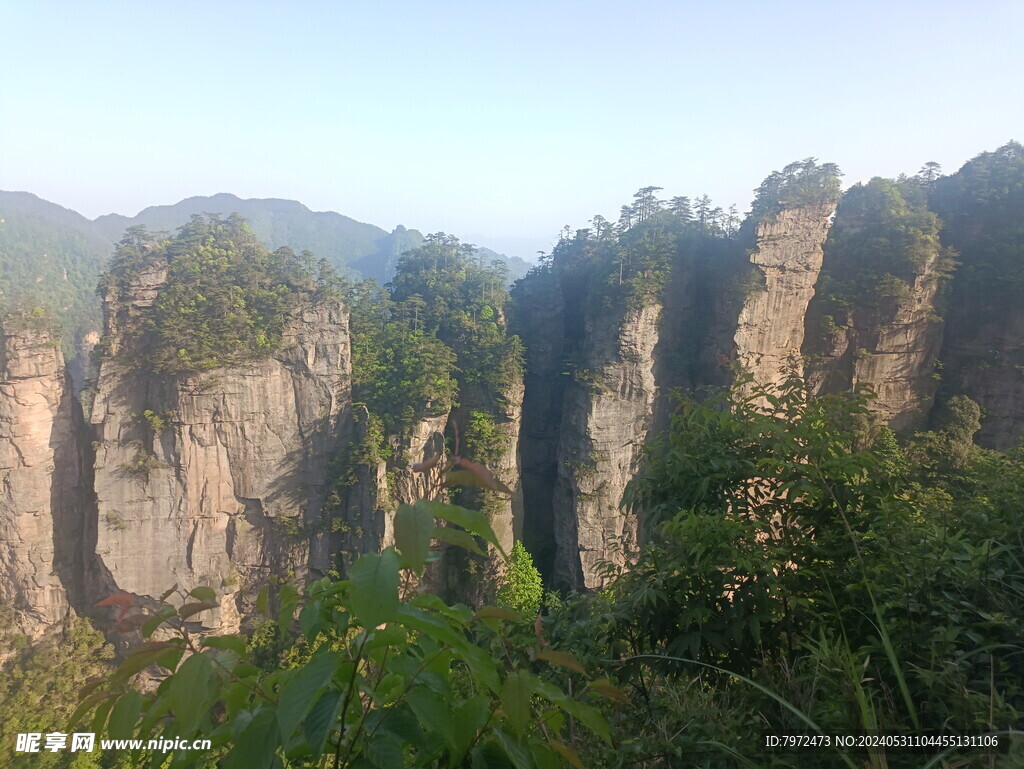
x: 53, y: 256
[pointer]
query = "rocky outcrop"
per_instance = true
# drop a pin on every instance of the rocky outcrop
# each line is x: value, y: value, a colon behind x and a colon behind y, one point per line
x: 539, y: 320
x: 379, y: 481
x: 784, y: 269
x: 607, y: 416
x: 219, y: 478
x: 41, y: 521
x: 985, y: 361
x: 895, y: 355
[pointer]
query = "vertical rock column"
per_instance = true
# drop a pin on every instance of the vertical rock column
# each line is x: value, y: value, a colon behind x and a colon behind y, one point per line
x: 786, y: 261
x: 219, y: 479
x: 607, y: 416
x: 39, y: 469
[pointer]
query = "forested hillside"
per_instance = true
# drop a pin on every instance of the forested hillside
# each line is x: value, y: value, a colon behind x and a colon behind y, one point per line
x: 53, y: 257
x: 694, y: 482
x: 354, y: 249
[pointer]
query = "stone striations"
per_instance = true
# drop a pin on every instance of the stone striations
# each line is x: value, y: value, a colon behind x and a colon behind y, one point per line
x: 607, y: 416
x: 40, y: 520
x: 895, y: 355
x: 786, y: 263
x: 219, y: 479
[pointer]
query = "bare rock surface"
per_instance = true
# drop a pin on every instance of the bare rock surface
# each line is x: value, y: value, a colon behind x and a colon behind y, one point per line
x: 39, y: 472
x: 788, y: 257
x: 608, y: 415
x: 219, y: 478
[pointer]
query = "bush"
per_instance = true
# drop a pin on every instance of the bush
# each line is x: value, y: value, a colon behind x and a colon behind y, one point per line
x: 523, y: 589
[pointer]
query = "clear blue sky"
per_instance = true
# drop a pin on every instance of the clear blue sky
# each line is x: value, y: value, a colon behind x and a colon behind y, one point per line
x: 490, y: 120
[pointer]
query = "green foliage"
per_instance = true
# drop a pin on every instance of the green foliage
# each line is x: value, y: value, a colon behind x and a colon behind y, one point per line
x: 225, y: 299
x: 483, y: 440
x: 50, y: 258
x: 523, y: 588
x: 980, y: 206
x: 39, y: 687
x: 381, y: 677
x: 801, y: 564
x: 438, y: 331
x: 803, y: 183
x: 29, y: 318
x: 883, y: 239
x: 144, y: 463
x: 403, y: 374
x: 445, y: 288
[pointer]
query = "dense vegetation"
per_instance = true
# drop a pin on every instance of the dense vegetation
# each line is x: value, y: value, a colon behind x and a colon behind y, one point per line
x: 437, y: 330
x: 40, y: 684
x: 884, y: 238
x: 801, y: 572
x: 51, y: 258
x: 225, y: 299
x: 980, y: 208
x: 799, y: 184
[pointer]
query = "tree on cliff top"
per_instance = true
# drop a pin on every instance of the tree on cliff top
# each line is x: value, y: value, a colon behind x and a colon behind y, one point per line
x: 802, y: 183
x: 226, y: 298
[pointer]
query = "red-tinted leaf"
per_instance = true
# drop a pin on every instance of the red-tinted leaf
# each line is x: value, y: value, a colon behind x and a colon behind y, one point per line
x: 564, y: 659
x: 427, y: 464
x: 607, y: 689
x: 484, y: 476
x: 117, y: 599
x: 538, y: 628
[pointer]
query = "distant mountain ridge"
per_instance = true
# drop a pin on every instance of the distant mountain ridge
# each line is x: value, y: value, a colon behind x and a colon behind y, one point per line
x: 354, y: 248
x: 276, y: 222
x: 53, y: 256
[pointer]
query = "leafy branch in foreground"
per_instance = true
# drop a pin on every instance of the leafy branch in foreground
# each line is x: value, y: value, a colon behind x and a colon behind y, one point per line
x: 382, y: 679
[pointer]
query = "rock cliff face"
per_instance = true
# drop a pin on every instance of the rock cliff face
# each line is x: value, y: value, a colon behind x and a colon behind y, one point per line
x: 539, y: 320
x: 41, y: 521
x: 218, y: 479
x: 894, y: 355
x: 985, y: 361
x: 785, y: 267
x: 607, y: 416
x: 378, y: 484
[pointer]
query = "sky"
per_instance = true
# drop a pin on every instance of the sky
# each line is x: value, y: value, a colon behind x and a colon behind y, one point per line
x: 499, y: 123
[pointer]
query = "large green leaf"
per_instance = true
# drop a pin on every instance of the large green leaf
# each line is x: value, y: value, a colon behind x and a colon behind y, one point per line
x: 471, y: 520
x: 189, y: 692
x: 515, y: 699
x: 124, y: 715
x: 374, y: 598
x: 203, y: 593
x: 303, y: 688
x: 517, y: 753
x: 385, y: 751
x: 589, y: 716
x: 414, y: 525
x: 470, y: 717
x: 457, y: 537
x: 256, y: 747
x: 317, y: 725
x: 434, y: 713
